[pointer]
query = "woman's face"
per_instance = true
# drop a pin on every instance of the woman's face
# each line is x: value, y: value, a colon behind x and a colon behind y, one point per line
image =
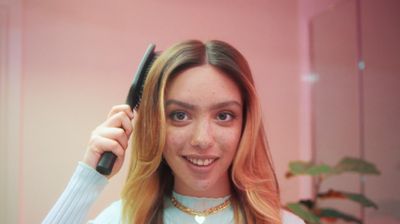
x: 204, y: 122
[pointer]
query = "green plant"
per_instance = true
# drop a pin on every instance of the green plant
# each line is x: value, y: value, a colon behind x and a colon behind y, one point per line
x: 310, y: 209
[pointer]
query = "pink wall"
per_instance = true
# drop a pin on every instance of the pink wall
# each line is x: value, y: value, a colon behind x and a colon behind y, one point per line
x: 78, y: 61
x: 381, y: 51
x: 10, y: 86
x: 307, y: 9
x: 336, y: 106
x: 355, y: 112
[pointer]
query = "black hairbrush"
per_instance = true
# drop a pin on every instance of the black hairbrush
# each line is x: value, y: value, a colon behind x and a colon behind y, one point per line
x: 107, y: 160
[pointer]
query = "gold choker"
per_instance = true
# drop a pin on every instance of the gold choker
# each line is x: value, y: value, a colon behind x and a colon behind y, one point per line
x: 200, y: 216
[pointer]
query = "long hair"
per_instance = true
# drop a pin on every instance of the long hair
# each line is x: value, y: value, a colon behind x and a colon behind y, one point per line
x: 255, y: 192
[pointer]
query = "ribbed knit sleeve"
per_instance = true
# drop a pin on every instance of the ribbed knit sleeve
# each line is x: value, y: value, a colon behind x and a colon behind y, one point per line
x: 74, y: 203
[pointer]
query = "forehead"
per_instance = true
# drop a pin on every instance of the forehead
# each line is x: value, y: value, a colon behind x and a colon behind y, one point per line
x: 203, y: 83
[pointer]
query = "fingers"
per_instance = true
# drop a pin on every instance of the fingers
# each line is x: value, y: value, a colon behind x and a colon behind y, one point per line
x: 101, y: 144
x: 121, y: 108
x: 111, y: 136
x: 120, y: 120
x: 117, y: 134
x: 118, y: 126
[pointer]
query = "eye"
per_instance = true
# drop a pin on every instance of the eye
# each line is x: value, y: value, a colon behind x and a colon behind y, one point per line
x: 179, y: 116
x: 225, y: 116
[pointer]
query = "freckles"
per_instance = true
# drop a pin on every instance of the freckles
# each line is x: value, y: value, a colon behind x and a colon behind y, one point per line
x: 174, y: 141
x: 228, y: 140
x: 175, y: 138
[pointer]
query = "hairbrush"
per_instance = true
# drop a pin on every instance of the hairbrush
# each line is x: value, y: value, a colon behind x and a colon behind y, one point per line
x: 108, y: 159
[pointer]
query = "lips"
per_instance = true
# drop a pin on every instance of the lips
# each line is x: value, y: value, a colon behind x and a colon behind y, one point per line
x: 202, y: 162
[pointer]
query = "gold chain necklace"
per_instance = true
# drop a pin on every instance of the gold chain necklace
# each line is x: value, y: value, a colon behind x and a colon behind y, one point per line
x: 200, y: 216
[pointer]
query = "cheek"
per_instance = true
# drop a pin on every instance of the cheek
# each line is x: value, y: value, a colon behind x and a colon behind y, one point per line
x: 176, y: 139
x: 229, y: 139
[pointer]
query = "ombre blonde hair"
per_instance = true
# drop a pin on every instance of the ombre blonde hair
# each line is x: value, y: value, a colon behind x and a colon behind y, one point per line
x: 255, y: 194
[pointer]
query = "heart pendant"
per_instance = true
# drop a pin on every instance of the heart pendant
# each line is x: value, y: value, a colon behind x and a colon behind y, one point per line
x: 199, y: 219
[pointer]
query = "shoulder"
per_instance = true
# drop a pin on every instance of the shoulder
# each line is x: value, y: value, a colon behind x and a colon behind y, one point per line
x: 110, y: 215
x: 290, y: 218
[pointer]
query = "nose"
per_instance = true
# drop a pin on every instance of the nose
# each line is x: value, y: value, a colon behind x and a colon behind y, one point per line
x: 202, y: 137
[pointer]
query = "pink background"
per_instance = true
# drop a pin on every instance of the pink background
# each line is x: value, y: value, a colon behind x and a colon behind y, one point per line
x: 70, y: 61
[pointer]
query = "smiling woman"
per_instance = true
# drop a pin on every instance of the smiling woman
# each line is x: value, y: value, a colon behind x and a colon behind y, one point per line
x: 199, y: 152
x: 203, y: 130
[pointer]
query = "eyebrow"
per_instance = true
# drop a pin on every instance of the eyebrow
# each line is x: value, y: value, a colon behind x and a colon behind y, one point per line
x: 192, y: 107
x: 180, y: 103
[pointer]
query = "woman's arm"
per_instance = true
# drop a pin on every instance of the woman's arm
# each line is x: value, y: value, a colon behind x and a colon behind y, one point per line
x: 86, y: 183
x: 81, y: 192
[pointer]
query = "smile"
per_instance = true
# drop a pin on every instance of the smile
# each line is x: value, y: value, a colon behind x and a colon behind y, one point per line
x: 200, y: 162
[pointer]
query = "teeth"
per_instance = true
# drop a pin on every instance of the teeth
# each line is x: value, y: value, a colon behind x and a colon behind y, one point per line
x: 200, y: 162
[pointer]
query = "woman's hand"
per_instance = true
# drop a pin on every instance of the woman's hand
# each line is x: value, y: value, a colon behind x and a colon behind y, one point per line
x: 112, y: 135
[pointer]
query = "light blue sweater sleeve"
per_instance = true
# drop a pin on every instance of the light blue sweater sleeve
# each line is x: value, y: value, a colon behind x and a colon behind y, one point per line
x: 81, y: 192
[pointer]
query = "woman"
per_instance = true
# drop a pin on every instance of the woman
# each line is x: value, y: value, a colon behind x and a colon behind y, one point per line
x: 199, y: 153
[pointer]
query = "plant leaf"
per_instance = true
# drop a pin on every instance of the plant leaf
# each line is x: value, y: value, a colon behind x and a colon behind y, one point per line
x: 359, y: 198
x: 319, y: 169
x: 303, y: 212
x: 364, y: 201
x: 299, y: 167
x: 349, y: 164
x: 330, y: 213
x: 307, y: 168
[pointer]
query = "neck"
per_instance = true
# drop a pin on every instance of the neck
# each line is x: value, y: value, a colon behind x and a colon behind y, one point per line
x: 220, y: 189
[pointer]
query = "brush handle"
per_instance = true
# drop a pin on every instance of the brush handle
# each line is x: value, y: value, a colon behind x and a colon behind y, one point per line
x: 106, y: 163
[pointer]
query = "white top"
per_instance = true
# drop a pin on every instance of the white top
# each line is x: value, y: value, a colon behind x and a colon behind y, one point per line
x: 86, y: 184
